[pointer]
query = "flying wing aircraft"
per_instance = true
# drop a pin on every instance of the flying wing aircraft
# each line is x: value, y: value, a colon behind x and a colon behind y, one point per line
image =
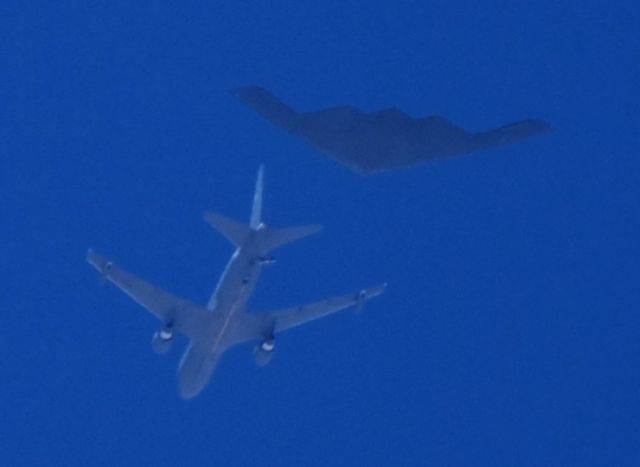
x: 383, y: 140
x: 225, y: 320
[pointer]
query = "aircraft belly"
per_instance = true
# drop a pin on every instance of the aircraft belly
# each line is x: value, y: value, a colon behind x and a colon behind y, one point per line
x: 196, y: 368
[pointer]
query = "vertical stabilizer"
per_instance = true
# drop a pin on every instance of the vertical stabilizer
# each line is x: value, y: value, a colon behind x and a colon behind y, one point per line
x: 256, y: 211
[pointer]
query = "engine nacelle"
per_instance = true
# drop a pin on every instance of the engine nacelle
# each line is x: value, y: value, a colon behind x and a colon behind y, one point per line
x: 263, y: 353
x: 162, y: 340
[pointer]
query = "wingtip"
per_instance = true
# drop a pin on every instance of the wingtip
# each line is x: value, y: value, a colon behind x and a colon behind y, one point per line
x: 101, y: 264
x: 90, y: 255
x: 543, y: 125
x: 376, y: 290
x: 242, y: 91
x: 237, y: 92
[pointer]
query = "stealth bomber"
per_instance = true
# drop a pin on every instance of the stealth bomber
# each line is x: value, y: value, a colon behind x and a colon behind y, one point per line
x: 383, y: 140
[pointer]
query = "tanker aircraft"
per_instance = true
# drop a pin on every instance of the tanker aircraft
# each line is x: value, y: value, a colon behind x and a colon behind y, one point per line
x: 225, y: 320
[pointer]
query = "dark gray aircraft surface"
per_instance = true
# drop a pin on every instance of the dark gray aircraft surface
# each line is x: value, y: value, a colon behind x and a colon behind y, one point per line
x: 225, y: 321
x: 383, y: 140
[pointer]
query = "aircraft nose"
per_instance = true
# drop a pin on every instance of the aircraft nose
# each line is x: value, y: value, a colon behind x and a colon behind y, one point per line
x: 189, y: 391
x: 190, y: 384
x: 195, y: 371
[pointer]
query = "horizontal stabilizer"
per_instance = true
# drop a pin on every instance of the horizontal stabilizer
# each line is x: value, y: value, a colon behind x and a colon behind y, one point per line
x: 278, y: 237
x: 236, y: 232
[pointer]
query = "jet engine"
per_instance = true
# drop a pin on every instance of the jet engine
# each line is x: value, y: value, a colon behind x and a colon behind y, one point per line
x: 263, y: 352
x: 162, y: 340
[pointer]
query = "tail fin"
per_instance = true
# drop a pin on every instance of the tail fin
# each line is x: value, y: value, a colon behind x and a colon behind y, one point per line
x: 235, y: 232
x: 239, y: 233
x: 256, y: 211
x: 276, y: 237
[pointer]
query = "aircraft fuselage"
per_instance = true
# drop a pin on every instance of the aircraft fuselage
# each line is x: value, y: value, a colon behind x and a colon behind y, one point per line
x: 228, y: 301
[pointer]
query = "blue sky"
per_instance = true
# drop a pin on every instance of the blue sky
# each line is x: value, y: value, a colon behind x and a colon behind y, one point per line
x: 509, y: 331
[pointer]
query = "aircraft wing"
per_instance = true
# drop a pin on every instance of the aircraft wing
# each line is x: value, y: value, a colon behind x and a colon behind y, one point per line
x: 185, y: 316
x: 384, y: 140
x: 292, y: 317
x: 261, y: 324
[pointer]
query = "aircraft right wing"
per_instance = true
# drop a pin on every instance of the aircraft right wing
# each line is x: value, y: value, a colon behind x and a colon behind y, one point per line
x: 295, y: 316
x: 258, y: 325
x: 184, y: 316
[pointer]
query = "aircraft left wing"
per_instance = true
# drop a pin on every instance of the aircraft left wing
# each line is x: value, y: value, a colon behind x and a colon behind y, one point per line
x: 184, y: 316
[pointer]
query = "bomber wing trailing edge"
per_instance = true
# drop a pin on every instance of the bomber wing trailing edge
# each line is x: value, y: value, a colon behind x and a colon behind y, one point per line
x: 383, y: 140
x: 225, y: 320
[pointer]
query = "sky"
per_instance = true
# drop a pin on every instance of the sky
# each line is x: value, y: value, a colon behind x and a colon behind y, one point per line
x: 509, y: 332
